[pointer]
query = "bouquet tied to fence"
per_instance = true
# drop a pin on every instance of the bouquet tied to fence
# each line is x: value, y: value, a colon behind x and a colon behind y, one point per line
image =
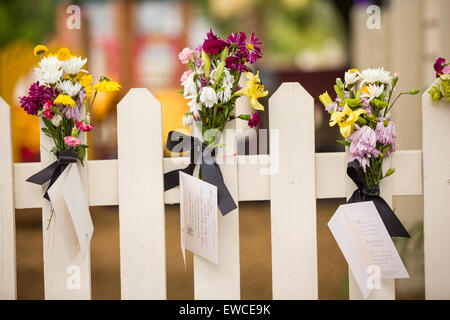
x: 63, y: 98
x: 441, y: 88
x: 211, y: 86
x: 362, y: 112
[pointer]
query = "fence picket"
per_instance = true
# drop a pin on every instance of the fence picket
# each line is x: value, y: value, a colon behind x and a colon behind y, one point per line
x: 436, y: 180
x: 293, y: 198
x: 63, y: 262
x: 222, y: 281
x: 141, y: 197
x: 7, y: 213
x: 387, y: 289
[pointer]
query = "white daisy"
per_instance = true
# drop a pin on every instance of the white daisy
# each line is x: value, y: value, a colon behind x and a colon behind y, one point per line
x: 69, y: 88
x: 352, y: 77
x: 74, y: 65
x: 50, y: 64
x: 48, y: 76
x: 375, y: 90
x: 379, y: 75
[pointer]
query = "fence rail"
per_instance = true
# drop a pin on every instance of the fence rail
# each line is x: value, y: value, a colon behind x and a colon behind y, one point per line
x: 134, y: 182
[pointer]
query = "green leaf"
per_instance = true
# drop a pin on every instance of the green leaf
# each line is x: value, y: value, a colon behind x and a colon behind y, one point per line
x: 344, y: 142
x: 245, y: 117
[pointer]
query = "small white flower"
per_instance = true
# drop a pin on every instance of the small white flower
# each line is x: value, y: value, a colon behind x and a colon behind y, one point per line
x: 375, y: 91
x: 56, y: 120
x: 193, y: 105
x: 50, y: 64
x: 190, y: 89
x: 74, y: 65
x: 48, y: 76
x: 351, y: 78
x: 188, y: 120
x: 379, y: 75
x: 69, y: 88
x: 208, y: 97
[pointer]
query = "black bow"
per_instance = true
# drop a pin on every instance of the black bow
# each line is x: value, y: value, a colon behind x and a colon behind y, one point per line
x: 390, y: 220
x: 210, y: 169
x: 53, y: 171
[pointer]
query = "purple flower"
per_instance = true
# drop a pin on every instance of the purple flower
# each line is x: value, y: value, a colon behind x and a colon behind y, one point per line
x: 254, y: 120
x: 213, y: 44
x: 365, y: 105
x: 251, y: 48
x: 72, y: 112
x: 386, y: 135
x: 235, y: 63
x: 38, y: 95
x: 235, y: 38
x: 363, y: 146
x: 439, y: 66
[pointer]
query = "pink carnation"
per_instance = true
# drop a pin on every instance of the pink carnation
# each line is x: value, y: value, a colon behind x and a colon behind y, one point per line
x: 47, y: 111
x: 446, y: 70
x: 363, y: 146
x: 185, y: 76
x: 386, y: 135
x: 72, y: 141
x: 185, y: 55
x: 84, y: 127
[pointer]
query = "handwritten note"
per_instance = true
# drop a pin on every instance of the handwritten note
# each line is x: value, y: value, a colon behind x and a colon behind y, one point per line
x: 366, y: 244
x: 198, y: 218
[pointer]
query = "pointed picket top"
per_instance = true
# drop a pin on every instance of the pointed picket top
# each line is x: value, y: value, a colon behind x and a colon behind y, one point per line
x: 138, y: 98
x: 141, y: 196
x: 7, y: 219
x: 436, y: 174
x: 293, y: 94
x: 293, y: 197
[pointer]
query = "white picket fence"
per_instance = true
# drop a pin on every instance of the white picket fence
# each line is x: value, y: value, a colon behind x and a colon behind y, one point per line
x: 134, y: 182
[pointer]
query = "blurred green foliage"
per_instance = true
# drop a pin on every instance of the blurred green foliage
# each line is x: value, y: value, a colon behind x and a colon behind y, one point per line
x: 25, y: 19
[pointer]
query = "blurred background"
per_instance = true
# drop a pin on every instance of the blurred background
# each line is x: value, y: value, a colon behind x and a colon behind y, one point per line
x: 137, y: 43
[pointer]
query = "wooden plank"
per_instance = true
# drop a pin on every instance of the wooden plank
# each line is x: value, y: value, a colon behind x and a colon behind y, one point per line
x: 293, y: 198
x: 436, y: 170
x: 141, y: 200
x: 62, y: 259
x: 222, y: 281
x: 387, y: 289
x: 253, y: 186
x: 8, y: 289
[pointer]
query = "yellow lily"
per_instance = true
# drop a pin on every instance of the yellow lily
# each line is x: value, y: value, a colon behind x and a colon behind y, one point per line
x: 346, y: 120
x: 253, y: 89
x: 325, y: 99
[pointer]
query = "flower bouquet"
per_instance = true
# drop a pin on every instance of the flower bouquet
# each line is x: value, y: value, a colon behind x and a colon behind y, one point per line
x: 441, y: 88
x: 362, y: 112
x: 212, y: 87
x: 63, y: 99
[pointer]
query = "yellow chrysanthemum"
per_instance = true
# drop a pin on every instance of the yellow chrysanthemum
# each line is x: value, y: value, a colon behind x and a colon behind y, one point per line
x: 63, y: 54
x: 254, y: 89
x: 107, y: 85
x: 39, y: 49
x: 86, y: 82
x: 65, y: 100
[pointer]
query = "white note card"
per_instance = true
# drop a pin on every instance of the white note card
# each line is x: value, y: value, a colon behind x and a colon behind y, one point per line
x: 198, y: 218
x: 67, y: 197
x: 366, y: 245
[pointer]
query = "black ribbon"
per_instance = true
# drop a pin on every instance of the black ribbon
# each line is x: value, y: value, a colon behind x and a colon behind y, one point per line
x: 390, y: 220
x: 203, y: 155
x: 53, y: 171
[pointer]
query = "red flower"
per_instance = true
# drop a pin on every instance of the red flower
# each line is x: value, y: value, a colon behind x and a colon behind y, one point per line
x: 439, y: 66
x: 213, y: 44
x: 254, y: 120
x: 84, y: 127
